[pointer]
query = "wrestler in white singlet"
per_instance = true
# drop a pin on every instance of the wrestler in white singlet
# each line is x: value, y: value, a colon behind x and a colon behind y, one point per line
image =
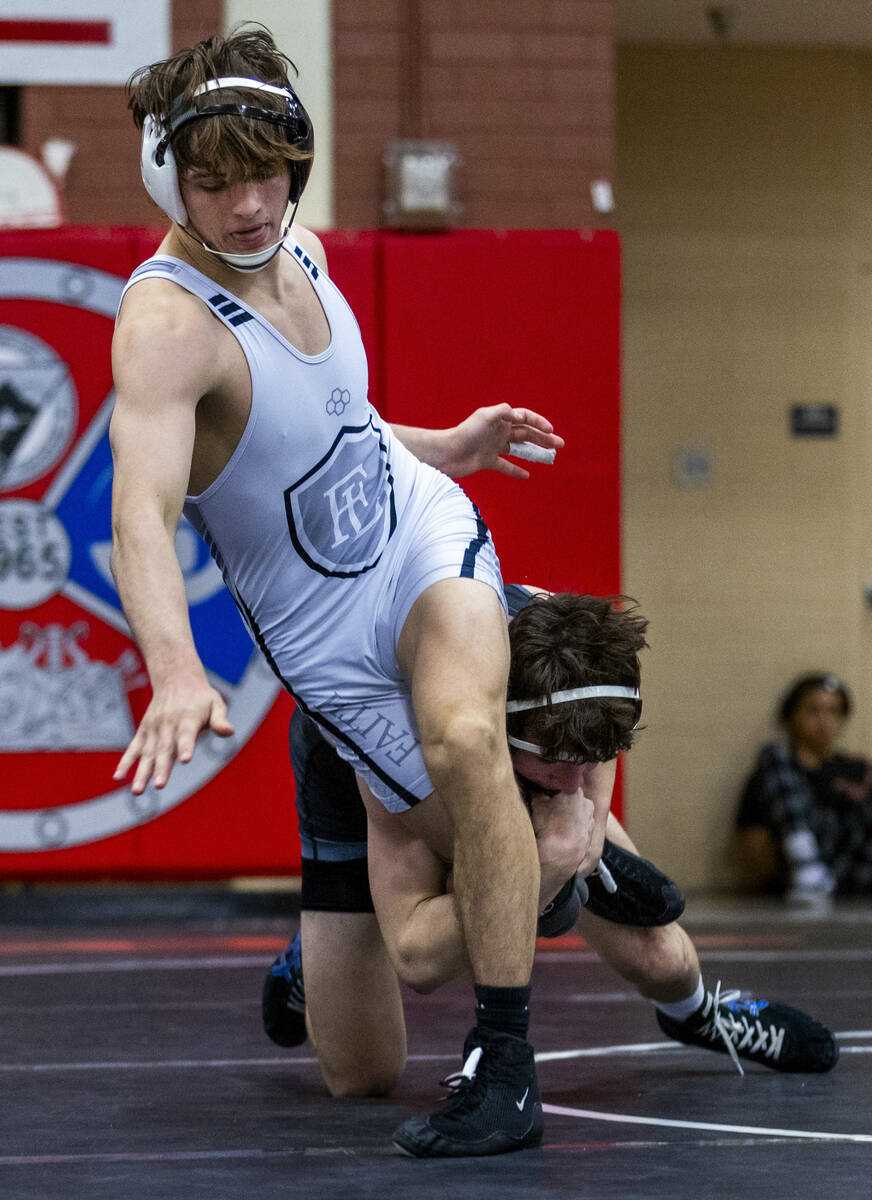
x: 327, y: 529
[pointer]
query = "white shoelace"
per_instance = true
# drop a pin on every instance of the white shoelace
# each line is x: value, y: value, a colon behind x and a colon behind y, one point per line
x: 720, y: 1024
x: 467, y: 1072
x: 740, y: 1033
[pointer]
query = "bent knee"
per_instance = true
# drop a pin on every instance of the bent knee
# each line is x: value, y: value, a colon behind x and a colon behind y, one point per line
x: 362, y: 1081
x: 420, y: 972
x: 420, y: 978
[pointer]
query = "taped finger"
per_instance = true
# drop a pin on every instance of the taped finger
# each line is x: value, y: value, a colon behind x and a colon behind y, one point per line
x: 532, y: 452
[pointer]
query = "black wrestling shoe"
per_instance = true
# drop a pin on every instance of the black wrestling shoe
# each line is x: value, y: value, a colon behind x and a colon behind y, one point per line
x: 494, y: 1104
x: 775, y: 1035
x: 284, y: 1000
x: 645, y: 897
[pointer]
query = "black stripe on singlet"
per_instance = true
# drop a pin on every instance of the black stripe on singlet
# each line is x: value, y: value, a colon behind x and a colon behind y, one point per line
x: 467, y: 568
x: 234, y: 313
x: 317, y: 717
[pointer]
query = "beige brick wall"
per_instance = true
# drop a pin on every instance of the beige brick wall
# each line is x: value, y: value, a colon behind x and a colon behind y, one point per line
x: 524, y: 89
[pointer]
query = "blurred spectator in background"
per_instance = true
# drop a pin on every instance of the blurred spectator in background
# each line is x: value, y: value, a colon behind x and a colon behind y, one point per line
x: 805, y: 819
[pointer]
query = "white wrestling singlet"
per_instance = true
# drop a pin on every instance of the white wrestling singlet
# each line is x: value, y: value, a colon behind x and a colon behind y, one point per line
x: 327, y: 529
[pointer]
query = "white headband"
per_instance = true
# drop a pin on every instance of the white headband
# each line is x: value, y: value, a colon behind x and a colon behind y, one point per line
x: 599, y: 691
x: 532, y: 748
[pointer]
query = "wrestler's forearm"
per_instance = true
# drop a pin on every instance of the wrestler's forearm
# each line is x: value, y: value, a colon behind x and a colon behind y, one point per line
x: 152, y: 593
x: 431, y: 446
x: 480, y: 441
x: 151, y: 447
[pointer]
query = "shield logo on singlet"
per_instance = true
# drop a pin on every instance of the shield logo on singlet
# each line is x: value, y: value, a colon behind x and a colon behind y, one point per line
x: 342, y: 514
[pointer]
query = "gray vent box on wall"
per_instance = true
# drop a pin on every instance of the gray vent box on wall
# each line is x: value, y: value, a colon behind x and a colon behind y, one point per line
x: 420, y: 184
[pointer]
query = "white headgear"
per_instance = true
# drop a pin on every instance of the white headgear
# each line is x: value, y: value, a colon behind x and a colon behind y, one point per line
x: 158, y: 164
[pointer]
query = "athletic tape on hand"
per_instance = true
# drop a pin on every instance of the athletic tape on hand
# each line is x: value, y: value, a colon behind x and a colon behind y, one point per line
x: 608, y: 879
x: 531, y: 452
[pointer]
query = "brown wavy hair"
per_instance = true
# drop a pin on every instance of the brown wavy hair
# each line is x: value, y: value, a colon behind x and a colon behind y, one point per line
x: 564, y: 641
x: 235, y: 148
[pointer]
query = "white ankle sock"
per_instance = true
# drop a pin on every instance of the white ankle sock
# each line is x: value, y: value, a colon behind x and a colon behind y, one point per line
x: 680, y: 1010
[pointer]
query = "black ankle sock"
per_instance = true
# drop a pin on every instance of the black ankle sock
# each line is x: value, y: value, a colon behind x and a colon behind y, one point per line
x: 503, y: 1009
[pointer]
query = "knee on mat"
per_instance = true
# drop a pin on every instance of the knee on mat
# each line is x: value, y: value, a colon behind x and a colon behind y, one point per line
x: 362, y: 1081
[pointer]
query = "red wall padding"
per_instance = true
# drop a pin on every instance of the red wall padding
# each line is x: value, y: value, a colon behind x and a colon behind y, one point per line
x: 450, y: 321
x: 532, y: 319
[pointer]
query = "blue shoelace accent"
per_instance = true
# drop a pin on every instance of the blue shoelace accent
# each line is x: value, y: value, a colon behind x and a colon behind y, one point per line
x: 753, y: 1007
x: 288, y: 962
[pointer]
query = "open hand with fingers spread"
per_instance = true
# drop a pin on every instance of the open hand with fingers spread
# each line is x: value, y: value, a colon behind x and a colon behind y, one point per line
x: 178, y: 713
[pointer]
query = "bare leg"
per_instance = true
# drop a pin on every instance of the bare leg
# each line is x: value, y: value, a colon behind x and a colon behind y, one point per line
x: 661, y: 963
x: 354, y: 1009
x: 454, y: 649
x: 409, y: 881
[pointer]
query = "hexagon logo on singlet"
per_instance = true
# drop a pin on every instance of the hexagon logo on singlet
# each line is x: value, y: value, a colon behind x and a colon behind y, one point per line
x: 342, y: 513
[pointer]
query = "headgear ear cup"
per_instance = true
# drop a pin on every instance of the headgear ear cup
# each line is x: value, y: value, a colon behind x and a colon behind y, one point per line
x: 161, y: 179
x: 301, y: 168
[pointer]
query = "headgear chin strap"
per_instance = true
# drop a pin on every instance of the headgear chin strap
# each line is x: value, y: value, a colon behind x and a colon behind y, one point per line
x: 245, y: 262
x: 160, y: 171
x: 600, y: 691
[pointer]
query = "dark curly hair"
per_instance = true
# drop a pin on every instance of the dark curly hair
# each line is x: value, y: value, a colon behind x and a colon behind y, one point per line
x: 565, y: 641
x: 234, y: 147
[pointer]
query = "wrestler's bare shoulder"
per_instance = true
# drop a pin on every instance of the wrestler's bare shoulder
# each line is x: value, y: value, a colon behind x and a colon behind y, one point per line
x: 311, y: 244
x: 160, y: 322
x: 160, y: 308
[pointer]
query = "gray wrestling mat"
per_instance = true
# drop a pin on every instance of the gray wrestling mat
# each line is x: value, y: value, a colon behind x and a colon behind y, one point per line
x: 133, y: 1065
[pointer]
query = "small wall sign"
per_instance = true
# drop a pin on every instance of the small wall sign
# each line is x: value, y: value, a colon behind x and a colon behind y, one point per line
x: 814, y: 420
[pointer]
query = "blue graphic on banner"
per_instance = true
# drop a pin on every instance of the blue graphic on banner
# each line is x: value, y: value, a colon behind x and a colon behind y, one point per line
x: 66, y: 687
x: 222, y: 640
